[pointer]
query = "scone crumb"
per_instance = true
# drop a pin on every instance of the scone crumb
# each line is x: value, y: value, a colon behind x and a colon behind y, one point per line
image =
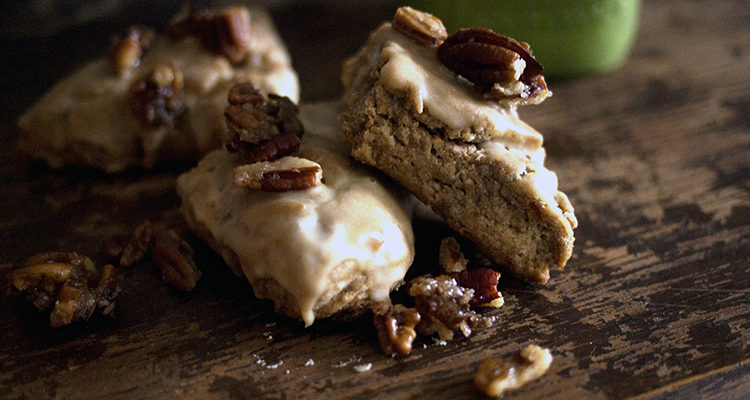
x: 363, y: 367
x: 497, y: 376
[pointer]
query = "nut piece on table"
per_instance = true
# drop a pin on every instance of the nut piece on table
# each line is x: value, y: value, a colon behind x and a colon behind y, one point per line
x: 484, y: 283
x: 499, y: 66
x: 174, y: 258
x: 450, y: 257
x: 261, y: 129
x: 136, y: 247
x: 444, y: 306
x: 284, y: 174
x: 128, y: 47
x: 157, y: 96
x: 424, y: 28
x: 68, y: 283
x: 107, y: 289
x: 496, y: 376
x: 395, y: 327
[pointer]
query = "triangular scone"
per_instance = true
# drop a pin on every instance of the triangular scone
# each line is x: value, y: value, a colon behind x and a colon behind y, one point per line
x: 339, y: 246
x: 91, y: 117
x: 473, y: 161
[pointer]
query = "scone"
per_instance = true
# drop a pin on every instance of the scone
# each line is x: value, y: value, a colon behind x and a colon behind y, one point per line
x: 157, y: 97
x: 453, y: 138
x: 338, y: 246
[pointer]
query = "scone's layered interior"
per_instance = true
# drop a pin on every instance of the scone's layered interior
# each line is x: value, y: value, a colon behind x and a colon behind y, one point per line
x: 87, y: 118
x: 474, y: 162
x: 337, y: 246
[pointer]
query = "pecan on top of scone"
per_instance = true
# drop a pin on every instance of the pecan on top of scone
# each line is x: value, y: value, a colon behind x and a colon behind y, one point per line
x: 156, y: 97
x: 310, y: 228
x: 443, y: 122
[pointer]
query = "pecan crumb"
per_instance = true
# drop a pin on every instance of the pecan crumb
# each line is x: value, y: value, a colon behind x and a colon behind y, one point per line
x: 67, y: 283
x: 174, y: 258
x: 261, y: 129
x: 424, y: 28
x: 284, y: 174
x: 450, y: 257
x: 136, y: 247
x: 128, y: 48
x: 157, y: 96
x: 395, y: 327
x: 501, y: 67
x: 496, y: 376
x: 484, y: 283
x: 223, y: 31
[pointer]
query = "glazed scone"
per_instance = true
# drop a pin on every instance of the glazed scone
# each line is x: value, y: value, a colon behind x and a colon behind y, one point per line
x: 339, y: 246
x: 96, y: 117
x: 471, y: 160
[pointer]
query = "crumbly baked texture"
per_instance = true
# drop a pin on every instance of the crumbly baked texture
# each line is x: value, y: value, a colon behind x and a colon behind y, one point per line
x: 474, y: 163
x: 339, y: 246
x: 87, y: 118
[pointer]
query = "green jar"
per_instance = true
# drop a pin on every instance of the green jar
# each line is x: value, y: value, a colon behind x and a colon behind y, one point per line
x: 569, y: 37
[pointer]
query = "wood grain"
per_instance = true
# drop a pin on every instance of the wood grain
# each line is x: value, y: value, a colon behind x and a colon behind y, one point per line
x: 655, y: 302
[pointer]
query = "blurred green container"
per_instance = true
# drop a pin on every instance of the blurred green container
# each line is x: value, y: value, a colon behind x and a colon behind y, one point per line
x: 570, y: 38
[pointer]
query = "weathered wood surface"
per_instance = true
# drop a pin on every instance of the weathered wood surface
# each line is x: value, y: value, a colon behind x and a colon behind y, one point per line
x: 655, y: 302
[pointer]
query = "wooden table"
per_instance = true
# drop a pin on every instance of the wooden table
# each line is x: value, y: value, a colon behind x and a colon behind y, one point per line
x: 655, y: 302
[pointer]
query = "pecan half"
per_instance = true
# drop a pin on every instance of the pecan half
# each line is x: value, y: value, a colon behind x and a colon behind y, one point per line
x: 128, y: 47
x: 226, y: 31
x: 424, y: 28
x: 174, y: 258
x: 284, y: 174
x: 395, y: 327
x: 496, y: 376
x: 495, y: 64
x: 261, y: 129
x: 157, y: 96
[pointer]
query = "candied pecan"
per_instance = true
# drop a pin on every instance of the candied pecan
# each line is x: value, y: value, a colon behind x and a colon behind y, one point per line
x: 494, y: 63
x: 423, y: 28
x: 245, y: 93
x: 75, y: 300
x: 226, y: 31
x: 129, y: 46
x: 444, y: 306
x: 496, y: 376
x: 484, y: 283
x: 174, y: 258
x: 286, y: 173
x: 254, y: 119
x: 157, y: 96
x: 395, y: 327
x: 450, y: 257
x: 136, y: 247
x: 261, y: 129
x: 278, y: 146
x: 68, y: 283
